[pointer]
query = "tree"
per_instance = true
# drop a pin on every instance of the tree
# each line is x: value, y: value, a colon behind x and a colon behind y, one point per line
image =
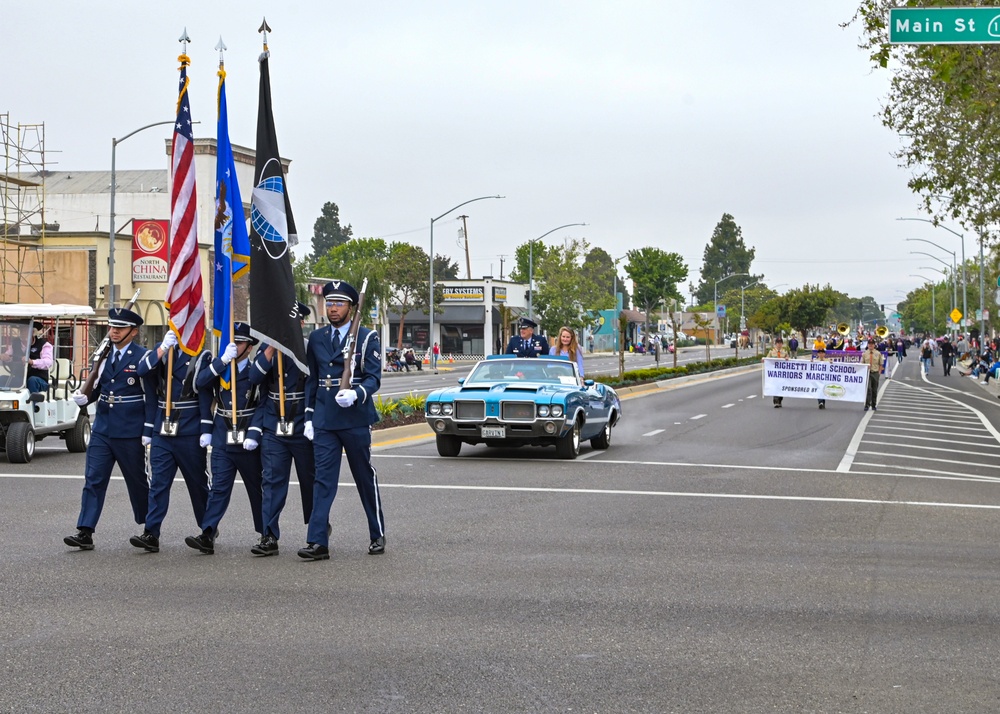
x: 444, y: 268
x: 536, y: 251
x: 302, y: 270
x: 655, y: 274
x: 407, y: 274
x: 725, y: 254
x: 942, y: 103
x: 565, y: 294
x: 327, y: 231
x: 807, y: 307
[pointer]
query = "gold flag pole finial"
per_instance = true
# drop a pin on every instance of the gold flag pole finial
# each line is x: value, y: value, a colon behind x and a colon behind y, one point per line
x: 264, y: 29
x: 221, y: 47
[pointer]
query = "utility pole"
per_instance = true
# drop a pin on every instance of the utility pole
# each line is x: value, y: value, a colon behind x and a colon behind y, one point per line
x: 468, y: 262
x: 501, y: 257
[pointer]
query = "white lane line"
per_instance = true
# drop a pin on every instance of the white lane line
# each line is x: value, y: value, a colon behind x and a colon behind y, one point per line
x: 875, y: 432
x: 699, y: 416
x: 589, y: 454
x: 654, y: 432
x: 726, y: 406
x: 931, y: 448
x: 752, y: 396
x: 938, y: 473
x: 922, y: 457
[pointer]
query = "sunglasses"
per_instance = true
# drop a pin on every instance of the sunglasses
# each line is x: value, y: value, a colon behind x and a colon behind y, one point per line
x: 337, y: 303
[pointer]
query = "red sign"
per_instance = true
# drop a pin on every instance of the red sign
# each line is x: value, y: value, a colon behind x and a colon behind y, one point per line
x: 150, y: 252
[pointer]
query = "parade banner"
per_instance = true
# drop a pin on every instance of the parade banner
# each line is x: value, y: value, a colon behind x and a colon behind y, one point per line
x: 853, y: 356
x: 819, y: 379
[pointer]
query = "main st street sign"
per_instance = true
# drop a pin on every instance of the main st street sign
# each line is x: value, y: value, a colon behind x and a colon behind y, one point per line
x: 944, y: 25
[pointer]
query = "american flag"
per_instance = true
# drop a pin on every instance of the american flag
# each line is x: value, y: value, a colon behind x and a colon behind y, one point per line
x: 184, y: 294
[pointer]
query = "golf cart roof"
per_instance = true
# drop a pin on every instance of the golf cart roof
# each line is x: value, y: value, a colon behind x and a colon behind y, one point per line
x: 45, y: 309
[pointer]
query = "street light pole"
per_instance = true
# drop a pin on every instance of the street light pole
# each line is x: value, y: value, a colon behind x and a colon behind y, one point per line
x: 933, y: 290
x: 531, y: 266
x: 954, y: 278
x: 715, y: 300
x: 111, y: 296
x: 430, y: 309
x: 926, y: 281
x: 961, y: 236
x: 954, y: 270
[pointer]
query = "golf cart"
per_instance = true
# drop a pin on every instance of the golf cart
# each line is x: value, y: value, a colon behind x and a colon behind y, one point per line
x: 27, y: 416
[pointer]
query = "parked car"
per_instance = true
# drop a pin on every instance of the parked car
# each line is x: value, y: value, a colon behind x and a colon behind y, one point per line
x: 26, y: 416
x: 515, y: 401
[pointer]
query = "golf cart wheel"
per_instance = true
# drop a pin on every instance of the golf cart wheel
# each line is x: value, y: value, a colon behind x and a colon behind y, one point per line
x: 20, y: 442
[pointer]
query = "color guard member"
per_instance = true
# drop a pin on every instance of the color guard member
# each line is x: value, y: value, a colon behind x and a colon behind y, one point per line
x: 340, y: 421
x: 126, y: 405
x: 528, y: 344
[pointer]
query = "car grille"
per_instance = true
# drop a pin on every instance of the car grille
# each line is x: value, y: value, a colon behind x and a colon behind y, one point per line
x: 470, y: 410
x: 523, y: 411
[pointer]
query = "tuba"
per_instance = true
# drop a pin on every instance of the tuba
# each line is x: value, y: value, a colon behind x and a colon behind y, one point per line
x: 843, y: 328
x: 882, y: 331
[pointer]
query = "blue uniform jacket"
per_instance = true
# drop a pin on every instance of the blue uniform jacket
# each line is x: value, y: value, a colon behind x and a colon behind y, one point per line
x: 323, y: 383
x: 264, y: 372
x: 538, y: 346
x: 246, y: 403
x: 192, y: 412
x: 126, y: 402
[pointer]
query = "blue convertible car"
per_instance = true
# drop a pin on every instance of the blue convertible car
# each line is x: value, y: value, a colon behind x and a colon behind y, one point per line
x: 515, y: 401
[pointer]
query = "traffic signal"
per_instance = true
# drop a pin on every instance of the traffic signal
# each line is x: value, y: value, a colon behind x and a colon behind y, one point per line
x: 882, y: 307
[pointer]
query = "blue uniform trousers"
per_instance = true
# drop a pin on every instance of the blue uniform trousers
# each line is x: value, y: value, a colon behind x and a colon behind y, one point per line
x: 225, y: 464
x: 276, y: 455
x: 328, y: 446
x: 102, y: 455
x: 166, y: 455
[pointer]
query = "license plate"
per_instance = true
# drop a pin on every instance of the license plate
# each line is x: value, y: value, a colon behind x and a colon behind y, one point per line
x: 494, y: 432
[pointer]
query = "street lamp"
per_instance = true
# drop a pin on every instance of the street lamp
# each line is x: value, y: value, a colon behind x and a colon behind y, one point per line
x: 954, y: 270
x: 715, y: 300
x: 111, y: 247
x: 430, y: 309
x: 954, y: 278
x: 965, y: 297
x: 531, y: 266
x: 934, y: 288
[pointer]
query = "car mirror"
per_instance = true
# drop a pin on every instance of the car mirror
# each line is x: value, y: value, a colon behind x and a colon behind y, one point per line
x: 588, y: 383
x: 462, y: 380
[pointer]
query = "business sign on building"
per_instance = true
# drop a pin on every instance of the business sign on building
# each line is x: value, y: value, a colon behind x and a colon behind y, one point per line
x: 150, y: 252
x: 464, y: 294
x: 499, y: 294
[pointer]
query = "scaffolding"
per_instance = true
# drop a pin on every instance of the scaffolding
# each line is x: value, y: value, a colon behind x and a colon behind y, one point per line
x: 23, y: 227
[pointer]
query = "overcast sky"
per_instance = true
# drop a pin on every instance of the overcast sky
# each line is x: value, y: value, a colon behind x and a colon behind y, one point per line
x: 646, y: 120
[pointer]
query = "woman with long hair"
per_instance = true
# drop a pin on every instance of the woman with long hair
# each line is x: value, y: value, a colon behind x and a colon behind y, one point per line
x: 567, y: 346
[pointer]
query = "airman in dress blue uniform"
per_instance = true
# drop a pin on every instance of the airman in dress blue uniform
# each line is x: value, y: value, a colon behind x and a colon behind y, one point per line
x: 283, y: 441
x: 527, y: 344
x: 180, y: 441
x: 126, y: 405
x: 340, y: 421
x: 228, y: 458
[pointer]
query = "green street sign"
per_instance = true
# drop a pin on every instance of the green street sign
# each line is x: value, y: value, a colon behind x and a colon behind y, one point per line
x: 944, y: 25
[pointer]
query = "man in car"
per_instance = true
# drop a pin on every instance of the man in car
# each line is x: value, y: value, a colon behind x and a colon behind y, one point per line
x: 527, y: 343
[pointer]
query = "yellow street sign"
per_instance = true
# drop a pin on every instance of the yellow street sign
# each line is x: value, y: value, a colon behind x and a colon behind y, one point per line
x: 955, y: 315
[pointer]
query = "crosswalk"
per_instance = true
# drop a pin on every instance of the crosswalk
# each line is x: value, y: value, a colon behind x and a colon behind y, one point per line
x: 923, y: 428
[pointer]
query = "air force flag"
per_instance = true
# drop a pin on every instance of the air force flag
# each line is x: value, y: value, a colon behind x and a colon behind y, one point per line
x: 273, y: 303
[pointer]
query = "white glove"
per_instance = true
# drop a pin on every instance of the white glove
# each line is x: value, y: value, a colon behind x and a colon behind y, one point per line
x: 307, y: 430
x: 228, y: 355
x: 169, y: 340
x: 250, y: 444
x: 346, y: 397
x: 147, y: 440
x: 80, y: 399
x: 205, y: 440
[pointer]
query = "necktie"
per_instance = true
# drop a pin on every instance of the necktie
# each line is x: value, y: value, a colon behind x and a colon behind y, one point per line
x: 524, y: 345
x: 335, y: 343
x: 114, y: 362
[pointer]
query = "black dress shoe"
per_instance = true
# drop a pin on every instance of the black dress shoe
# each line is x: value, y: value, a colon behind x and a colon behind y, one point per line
x: 205, y: 543
x: 147, y: 541
x: 377, y: 546
x: 268, y: 545
x: 82, y: 540
x: 314, y: 551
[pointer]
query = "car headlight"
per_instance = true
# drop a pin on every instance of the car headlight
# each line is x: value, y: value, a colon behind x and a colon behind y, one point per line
x: 447, y: 409
x: 434, y: 408
x: 557, y: 410
x: 543, y: 410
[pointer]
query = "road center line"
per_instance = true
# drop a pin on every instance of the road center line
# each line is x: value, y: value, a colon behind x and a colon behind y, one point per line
x: 654, y: 432
x: 699, y: 416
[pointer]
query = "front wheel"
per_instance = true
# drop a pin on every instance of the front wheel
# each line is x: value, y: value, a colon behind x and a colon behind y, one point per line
x: 568, y: 447
x: 20, y: 442
x: 448, y: 445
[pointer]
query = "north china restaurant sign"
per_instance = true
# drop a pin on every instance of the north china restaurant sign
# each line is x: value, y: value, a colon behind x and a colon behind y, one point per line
x: 150, y: 253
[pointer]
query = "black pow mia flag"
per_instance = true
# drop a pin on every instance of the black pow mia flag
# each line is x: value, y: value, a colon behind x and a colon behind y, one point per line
x: 273, y: 314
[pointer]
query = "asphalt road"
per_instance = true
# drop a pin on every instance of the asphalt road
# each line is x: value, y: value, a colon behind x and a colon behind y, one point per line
x: 722, y: 556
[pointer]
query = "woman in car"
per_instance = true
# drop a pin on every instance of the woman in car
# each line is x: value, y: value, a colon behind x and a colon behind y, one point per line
x: 567, y: 346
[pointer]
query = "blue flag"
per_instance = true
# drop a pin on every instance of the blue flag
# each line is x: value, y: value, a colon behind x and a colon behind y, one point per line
x: 232, y: 243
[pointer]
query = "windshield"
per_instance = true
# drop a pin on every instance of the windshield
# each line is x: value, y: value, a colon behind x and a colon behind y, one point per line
x: 547, y: 371
x: 15, y: 341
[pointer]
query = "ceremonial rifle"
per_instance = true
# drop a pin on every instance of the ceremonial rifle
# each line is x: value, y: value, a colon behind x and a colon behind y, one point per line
x: 348, y: 376
x: 97, y: 359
